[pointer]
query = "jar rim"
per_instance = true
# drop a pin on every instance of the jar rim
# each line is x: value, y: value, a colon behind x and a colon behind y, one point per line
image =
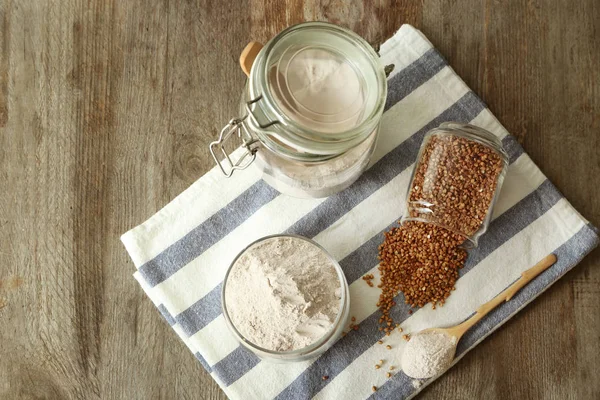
x: 296, y: 133
x: 314, y: 348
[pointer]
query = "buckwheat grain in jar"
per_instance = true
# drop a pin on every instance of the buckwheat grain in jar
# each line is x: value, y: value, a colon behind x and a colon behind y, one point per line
x: 310, y: 112
x: 457, y: 179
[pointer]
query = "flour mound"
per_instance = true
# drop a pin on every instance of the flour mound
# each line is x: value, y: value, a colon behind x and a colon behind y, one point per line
x: 428, y: 354
x: 283, y: 294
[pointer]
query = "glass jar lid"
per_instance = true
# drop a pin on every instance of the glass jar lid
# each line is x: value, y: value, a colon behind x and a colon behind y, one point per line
x: 323, y: 84
x: 318, y: 87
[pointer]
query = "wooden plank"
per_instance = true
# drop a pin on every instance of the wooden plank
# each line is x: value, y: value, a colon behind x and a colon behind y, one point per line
x: 106, y: 110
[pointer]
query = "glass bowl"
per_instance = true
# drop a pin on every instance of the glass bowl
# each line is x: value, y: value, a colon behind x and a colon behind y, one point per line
x: 316, y: 348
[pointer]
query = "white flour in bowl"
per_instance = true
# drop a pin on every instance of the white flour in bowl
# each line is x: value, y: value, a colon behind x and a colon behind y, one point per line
x: 283, y: 294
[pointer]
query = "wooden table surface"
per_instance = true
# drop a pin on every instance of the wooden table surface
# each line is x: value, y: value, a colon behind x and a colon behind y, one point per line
x: 106, y: 111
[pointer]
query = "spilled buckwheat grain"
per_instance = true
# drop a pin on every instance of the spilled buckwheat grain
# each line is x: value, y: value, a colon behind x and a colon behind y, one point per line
x: 422, y: 261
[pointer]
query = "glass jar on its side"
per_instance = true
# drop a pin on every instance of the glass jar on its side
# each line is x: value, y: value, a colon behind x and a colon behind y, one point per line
x: 457, y: 179
x: 311, y: 110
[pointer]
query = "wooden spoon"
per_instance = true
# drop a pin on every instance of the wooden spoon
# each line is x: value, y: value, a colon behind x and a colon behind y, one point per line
x: 248, y: 55
x: 456, y: 332
x: 459, y: 330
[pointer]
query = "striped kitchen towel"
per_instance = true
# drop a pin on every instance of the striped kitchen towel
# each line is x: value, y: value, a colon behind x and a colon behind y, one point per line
x: 182, y: 252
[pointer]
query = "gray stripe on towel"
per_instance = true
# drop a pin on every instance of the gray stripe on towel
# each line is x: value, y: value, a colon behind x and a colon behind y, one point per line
x: 465, y: 109
x: 235, y: 365
x: 568, y: 255
x: 413, y: 76
x: 512, y: 148
x: 203, y: 362
x: 201, y: 313
x: 166, y: 314
x: 355, y: 343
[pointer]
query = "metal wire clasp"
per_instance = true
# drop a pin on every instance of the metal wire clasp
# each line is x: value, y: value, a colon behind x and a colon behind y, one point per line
x: 249, y: 142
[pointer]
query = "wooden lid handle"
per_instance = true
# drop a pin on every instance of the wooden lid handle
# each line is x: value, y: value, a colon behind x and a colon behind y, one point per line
x: 248, y: 55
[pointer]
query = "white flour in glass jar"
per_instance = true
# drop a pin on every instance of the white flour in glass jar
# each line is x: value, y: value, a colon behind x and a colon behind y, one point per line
x: 283, y: 294
x: 320, y: 90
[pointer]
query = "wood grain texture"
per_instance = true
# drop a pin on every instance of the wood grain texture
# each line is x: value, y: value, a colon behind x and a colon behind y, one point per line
x: 106, y: 110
